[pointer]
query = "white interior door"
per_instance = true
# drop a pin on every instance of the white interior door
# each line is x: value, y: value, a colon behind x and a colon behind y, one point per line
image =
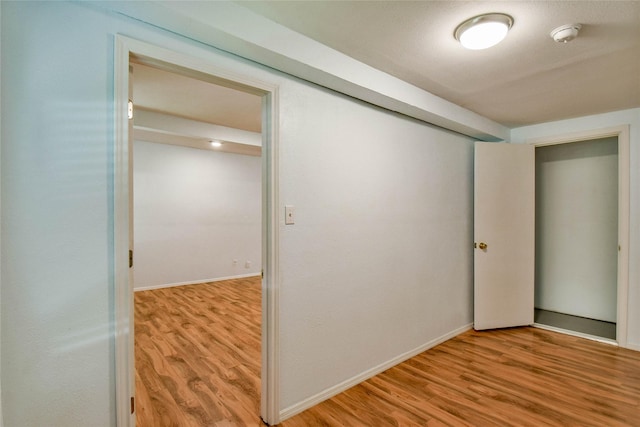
x: 504, y: 235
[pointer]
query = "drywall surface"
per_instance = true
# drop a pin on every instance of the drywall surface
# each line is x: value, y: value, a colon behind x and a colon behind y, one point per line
x: 600, y: 121
x: 57, y: 353
x: 1, y: 417
x: 577, y: 228
x: 195, y: 212
x: 378, y: 263
x: 380, y: 259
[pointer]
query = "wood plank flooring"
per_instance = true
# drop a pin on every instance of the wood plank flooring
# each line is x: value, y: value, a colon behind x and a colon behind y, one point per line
x: 198, y: 364
x: 512, y: 377
x: 197, y: 354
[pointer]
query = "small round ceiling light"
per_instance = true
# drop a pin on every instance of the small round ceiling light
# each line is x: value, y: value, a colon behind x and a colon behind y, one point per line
x: 565, y: 33
x: 215, y: 143
x: 483, y: 31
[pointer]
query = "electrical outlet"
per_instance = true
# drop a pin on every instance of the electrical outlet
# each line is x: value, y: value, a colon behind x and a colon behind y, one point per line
x: 247, y: 264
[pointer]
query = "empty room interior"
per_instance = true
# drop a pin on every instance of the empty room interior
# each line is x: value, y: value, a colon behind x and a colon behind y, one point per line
x: 305, y: 213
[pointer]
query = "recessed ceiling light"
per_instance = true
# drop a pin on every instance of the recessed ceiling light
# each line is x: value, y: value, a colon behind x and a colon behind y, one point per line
x: 215, y: 144
x: 483, y: 31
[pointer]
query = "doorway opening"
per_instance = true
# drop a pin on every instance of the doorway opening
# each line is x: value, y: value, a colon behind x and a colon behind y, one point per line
x: 169, y: 127
x: 196, y: 237
x: 580, y: 279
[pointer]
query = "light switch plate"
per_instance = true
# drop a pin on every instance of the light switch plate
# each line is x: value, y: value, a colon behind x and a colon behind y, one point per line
x: 289, y: 215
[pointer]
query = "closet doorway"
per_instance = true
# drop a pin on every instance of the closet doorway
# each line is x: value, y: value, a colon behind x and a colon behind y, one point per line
x: 580, y: 204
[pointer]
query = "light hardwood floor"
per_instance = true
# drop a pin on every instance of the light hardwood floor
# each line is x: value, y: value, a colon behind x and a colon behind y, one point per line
x: 512, y: 377
x: 198, y: 356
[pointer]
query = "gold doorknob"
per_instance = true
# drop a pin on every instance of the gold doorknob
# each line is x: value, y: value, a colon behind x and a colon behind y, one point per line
x: 482, y: 245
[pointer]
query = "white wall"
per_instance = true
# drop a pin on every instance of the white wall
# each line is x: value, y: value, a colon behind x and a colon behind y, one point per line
x: 195, y: 212
x: 629, y: 117
x: 1, y: 417
x: 577, y: 228
x: 380, y: 259
x: 378, y: 264
x: 56, y: 302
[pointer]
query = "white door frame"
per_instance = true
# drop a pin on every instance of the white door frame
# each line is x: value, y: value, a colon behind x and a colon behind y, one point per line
x: 125, y: 49
x: 624, y: 183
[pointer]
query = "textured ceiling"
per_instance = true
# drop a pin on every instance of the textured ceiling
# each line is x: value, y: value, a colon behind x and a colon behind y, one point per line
x: 526, y: 79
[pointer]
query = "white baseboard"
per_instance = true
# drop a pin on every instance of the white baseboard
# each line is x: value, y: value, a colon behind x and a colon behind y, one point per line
x: 628, y: 346
x: 635, y: 347
x: 576, y: 334
x: 339, y: 388
x: 197, y: 282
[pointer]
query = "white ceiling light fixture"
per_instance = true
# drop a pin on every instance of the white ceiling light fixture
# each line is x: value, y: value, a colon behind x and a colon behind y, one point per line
x: 215, y: 144
x: 565, y: 33
x: 483, y: 31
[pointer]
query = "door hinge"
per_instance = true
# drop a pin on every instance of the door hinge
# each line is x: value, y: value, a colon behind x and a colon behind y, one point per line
x: 130, y: 258
x: 130, y: 110
x: 262, y: 273
x: 133, y: 404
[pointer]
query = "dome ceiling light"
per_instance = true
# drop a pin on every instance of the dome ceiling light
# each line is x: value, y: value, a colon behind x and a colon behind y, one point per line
x: 483, y: 31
